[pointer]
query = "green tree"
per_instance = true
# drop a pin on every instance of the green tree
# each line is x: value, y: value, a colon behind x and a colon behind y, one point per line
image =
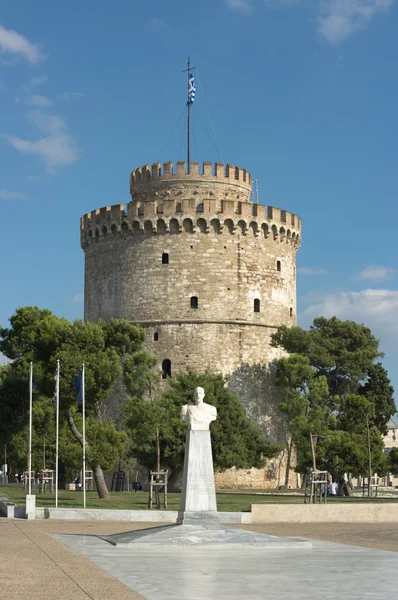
x: 142, y: 381
x: 236, y: 440
x: 333, y: 390
x: 305, y: 404
x: 40, y: 337
x: 379, y: 391
x: 342, y: 351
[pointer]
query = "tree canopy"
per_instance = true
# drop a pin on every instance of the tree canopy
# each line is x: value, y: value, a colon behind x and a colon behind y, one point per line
x: 36, y: 335
x: 334, y: 390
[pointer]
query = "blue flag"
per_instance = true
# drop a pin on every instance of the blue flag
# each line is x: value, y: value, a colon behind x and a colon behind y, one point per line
x: 191, y: 89
x: 78, y: 383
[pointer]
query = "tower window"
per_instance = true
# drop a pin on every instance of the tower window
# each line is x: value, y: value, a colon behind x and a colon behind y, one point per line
x: 166, y: 368
x: 291, y: 312
x: 194, y: 302
x: 165, y: 258
x: 256, y: 305
x: 278, y: 266
x: 155, y: 336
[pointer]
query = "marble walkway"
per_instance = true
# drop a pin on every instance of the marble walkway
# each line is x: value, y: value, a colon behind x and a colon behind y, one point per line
x: 326, y: 570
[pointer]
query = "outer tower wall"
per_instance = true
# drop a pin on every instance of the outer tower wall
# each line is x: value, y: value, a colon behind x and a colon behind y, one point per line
x: 198, y: 236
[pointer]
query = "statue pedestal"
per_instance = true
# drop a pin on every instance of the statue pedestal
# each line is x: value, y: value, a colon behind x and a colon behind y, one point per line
x: 198, y: 498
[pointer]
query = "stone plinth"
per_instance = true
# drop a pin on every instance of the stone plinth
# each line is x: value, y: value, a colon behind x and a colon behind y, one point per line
x: 198, y: 497
x: 30, y: 506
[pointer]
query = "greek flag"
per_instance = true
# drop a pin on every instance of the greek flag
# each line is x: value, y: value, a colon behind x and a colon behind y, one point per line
x: 54, y: 398
x: 191, y: 89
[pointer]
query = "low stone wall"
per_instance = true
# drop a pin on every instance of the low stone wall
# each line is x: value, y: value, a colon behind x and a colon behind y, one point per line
x: 324, y: 513
x: 143, y: 516
x: 260, y: 479
x: 7, y: 508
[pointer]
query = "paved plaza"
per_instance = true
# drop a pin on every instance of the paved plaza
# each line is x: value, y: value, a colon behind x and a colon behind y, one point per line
x: 53, y: 560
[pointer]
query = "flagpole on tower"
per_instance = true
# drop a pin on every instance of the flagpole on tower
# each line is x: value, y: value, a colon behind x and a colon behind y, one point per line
x: 189, y: 121
x: 190, y: 99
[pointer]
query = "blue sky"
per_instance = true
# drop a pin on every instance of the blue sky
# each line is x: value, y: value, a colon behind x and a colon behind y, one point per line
x: 302, y: 93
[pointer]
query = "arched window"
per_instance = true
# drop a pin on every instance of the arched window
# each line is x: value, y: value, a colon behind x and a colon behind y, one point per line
x: 155, y: 336
x: 165, y: 258
x: 291, y: 312
x: 256, y: 305
x: 194, y: 302
x: 174, y: 226
x: 166, y: 368
x: 278, y: 266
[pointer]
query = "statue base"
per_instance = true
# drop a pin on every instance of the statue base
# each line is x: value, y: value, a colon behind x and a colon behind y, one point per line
x: 198, y: 490
x: 206, y: 519
x: 197, y: 537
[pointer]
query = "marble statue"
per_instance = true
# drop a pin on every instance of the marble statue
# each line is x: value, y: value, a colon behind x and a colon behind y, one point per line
x: 198, y: 415
x: 198, y: 496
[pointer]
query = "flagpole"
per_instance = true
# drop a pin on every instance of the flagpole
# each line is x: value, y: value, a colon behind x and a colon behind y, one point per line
x: 57, y: 438
x: 84, y: 440
x: 189, y: 121
x: 30, y: 426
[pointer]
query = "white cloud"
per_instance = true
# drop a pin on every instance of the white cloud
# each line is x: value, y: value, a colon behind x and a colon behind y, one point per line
x: 79, y: 298
x: 339, y: 19
x: 310, y: 271
x: 38, y: 100
x: 377, y: 309
x: 69, y: 95
x: 6, y: 195
x: 13, y: 42
x: 242, y: 6
x: 374, y: 273
x: 57, y: 149
x: 38, y: 80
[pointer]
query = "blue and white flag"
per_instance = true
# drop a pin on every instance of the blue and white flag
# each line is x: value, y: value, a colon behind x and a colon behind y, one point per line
x: 191, y: 89
x: 78, y: 383
x: 54, y: 398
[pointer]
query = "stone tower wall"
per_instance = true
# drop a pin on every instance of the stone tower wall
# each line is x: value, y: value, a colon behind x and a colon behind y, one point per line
x: 222, y: 249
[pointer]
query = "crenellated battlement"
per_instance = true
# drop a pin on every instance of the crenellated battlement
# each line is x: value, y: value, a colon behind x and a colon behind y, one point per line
x: 189, y: 216
x: 172, y: 180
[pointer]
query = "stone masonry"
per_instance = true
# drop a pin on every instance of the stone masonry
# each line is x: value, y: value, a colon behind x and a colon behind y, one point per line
x: 208, y: 274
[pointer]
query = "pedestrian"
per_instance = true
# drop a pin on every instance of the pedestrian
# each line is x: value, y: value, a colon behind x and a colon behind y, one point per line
x: 334, y: 488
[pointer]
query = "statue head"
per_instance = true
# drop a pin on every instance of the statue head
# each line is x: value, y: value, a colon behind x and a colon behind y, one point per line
x: 198, y: 395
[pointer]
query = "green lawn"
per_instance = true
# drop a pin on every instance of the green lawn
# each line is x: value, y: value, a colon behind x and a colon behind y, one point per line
x: 226, y: 501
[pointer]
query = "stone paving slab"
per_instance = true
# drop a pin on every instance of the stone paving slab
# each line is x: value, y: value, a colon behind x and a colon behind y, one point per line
x: 27, y: 550
x: 325, y: 571
x: 383, y: 536
x: 34, y: 566
x: 194, y: 536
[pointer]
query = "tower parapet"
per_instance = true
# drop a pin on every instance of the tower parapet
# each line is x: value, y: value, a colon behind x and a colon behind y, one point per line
x: 187, y: 216
x: 218, y: 180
